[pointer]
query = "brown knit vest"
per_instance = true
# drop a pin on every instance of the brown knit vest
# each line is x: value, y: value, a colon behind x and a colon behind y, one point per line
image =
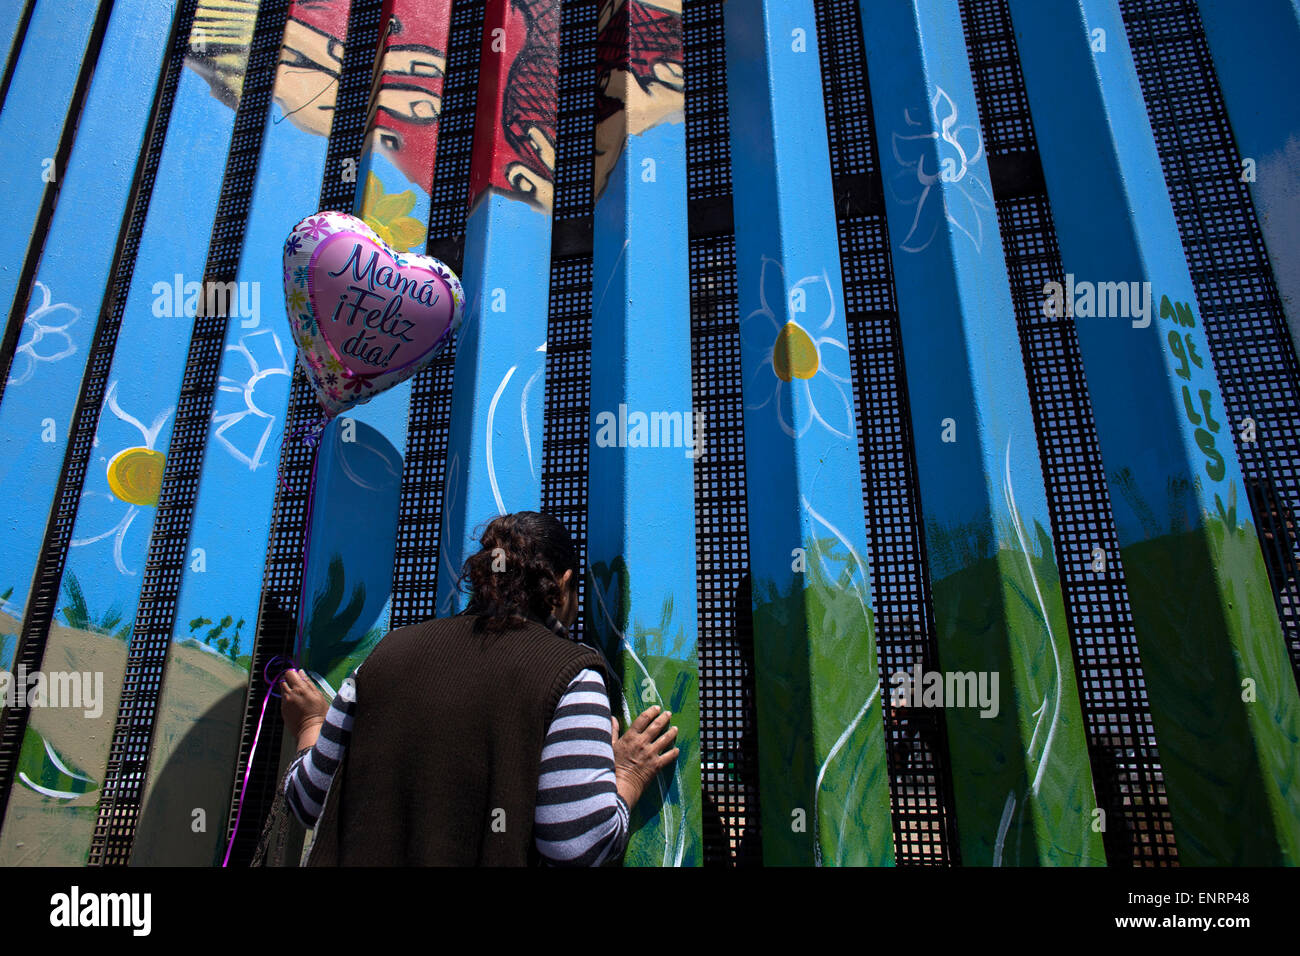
x: 446, y: 746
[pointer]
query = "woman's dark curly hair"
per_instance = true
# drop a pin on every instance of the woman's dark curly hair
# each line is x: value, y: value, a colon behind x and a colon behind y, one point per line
x: 515, y: 575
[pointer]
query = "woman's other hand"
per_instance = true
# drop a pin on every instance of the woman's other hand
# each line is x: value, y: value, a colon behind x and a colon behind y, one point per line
x: 641, y: 752
x: 303, y: 707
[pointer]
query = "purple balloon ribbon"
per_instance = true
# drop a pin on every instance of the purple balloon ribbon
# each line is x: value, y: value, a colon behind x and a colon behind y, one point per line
x: 310, y: 435
x: 288, y: 665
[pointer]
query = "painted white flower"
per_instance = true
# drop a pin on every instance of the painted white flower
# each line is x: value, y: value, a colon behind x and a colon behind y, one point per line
x: 133, y: 475
x: 794, y: 373
x: 37, y: 329
x: 962, y: 196
x: 243, y: 429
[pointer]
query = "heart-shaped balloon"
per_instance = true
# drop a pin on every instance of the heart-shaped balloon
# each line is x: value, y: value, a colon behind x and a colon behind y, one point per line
x: 364, y: 317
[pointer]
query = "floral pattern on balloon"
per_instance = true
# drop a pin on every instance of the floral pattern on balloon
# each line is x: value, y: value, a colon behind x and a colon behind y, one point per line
x: 363, y: 315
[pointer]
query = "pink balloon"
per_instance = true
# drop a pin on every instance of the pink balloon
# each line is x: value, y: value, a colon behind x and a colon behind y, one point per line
x: 372, y: 317
x: 376, y: 316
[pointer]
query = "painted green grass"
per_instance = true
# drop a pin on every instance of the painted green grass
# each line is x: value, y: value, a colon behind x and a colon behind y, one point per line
x: 659, y: 667
x: 205, y: 631
x: 78, y: 614
x: 1207, y: 623
x: 1022, y: 780
x: 43, y: 770
x: 1209, y: 637
x: 1024, y: 788
x: 8, y: 650
x: 822, y: 773
x: 333, y: 648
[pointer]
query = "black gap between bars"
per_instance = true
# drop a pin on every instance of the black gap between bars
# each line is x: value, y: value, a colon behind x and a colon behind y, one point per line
x: 282, y: 577
x: 916, y: 745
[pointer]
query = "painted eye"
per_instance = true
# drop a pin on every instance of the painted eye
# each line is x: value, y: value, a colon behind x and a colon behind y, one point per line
x: 521, y: 181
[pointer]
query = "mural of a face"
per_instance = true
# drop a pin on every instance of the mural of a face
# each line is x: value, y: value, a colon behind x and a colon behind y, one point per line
x: 640, y: 79
x: 311, y: 61
x: 530, y: 104
x: 520, y: 158
x: 406, y: 99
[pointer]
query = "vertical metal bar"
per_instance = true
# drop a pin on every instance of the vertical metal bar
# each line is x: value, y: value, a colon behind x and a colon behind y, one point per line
x: 1254, y: 59
x: 116, y: 464
x: 1127, y: 772
x: 495, y: 443
x: 916, y: 739
x: 1232, y: 178
x: 728, y: 742
x: 201, y: 591
x: 54, y: 326
x: 641, y: 594
x: 337, y: 79
x: 37, y: 128
x: 356, y: 492
x: 14, y: 21
x: 419, y: 517
x: 78, y: 409
x: 823, y: 772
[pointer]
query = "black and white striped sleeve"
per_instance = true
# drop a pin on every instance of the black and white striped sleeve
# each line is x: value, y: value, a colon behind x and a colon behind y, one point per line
x: 310, y: 775
x: 580, y: 818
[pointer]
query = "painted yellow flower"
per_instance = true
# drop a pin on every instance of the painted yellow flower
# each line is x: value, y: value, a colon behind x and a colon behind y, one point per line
x: 794, y: 373
x: 386, y: 214
x: 795, y: 354
x: 135, y: 475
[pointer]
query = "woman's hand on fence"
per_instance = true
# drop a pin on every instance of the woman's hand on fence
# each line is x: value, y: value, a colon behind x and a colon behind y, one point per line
x: 303, y: 707
x: 642, y: 751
